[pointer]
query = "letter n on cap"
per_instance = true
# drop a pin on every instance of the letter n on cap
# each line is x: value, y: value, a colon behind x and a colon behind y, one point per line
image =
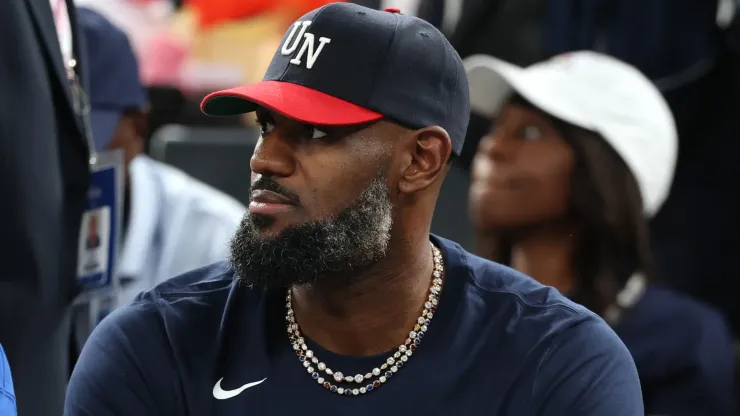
x: 306, y: 42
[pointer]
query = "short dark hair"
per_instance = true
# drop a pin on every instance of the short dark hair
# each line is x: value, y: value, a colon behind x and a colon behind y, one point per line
x: 605, y: 199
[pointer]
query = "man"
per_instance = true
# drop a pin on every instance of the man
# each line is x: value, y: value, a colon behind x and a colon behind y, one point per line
x: 44, y: 178
x: 7, y: 393
x: 172, y: 222
x: 335, y: 286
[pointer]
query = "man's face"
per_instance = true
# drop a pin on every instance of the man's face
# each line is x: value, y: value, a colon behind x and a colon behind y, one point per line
x: 320, y: 205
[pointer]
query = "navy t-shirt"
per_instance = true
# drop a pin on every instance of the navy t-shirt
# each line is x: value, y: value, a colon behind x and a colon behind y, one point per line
x: 500, y: 344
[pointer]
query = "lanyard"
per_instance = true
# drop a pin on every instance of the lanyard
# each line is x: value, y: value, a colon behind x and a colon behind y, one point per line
x: 80, y: 99
x: 57, y: 10
x: 64, y: 30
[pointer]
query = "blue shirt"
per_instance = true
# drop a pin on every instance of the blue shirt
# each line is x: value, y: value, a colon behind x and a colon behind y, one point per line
x: 7, y: 394
x: 683, y: 352
x: 499, y: 344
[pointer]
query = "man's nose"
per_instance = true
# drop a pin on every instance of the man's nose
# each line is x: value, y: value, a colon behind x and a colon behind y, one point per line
x: 273, y: 156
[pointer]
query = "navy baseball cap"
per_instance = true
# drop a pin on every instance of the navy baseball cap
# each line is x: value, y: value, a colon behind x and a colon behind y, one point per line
x: 345, y: 64
x: 113, y: 75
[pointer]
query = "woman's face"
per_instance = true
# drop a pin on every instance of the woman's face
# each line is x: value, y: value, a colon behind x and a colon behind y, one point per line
x: 521, y: 172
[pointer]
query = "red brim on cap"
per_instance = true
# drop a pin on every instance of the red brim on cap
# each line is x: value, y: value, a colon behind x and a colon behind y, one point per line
x: 291, y: 100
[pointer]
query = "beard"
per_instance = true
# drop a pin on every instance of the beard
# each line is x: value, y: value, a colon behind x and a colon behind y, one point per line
x: 327, y: 252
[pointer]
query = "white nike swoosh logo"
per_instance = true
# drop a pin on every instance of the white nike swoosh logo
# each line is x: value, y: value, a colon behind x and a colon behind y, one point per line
x: 221, y: 394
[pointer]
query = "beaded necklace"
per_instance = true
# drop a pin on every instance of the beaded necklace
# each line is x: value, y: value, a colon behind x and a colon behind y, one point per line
x: 362, y: 384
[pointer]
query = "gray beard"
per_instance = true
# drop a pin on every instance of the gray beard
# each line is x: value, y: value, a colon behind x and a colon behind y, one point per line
x: 329, y: 252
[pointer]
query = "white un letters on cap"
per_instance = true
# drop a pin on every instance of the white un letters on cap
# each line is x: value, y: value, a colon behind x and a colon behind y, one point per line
x: 306, y: 41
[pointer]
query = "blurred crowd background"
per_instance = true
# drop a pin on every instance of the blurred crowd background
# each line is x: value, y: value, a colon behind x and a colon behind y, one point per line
x: 690, y: 49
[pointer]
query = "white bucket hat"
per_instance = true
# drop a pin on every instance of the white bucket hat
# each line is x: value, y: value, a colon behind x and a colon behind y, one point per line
x: 595, y: 92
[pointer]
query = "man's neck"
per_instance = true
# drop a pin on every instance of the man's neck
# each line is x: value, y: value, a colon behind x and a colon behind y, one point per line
x: 547, y: 256
x: 376, y: 313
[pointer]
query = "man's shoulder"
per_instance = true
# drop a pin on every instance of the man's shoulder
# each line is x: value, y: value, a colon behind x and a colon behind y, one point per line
x: 567, y: 359
x: 178, y: 303
x: 502, y: 303
x: 169, y: 334
x: 553, y: 350
x: 209, y: 284
x: 182, y: 189
x: 186, y: 310
x: 501, y: 286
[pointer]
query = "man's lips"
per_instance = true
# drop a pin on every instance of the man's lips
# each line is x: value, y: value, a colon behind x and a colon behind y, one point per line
x: 270, y: 197
x: 269, y: 202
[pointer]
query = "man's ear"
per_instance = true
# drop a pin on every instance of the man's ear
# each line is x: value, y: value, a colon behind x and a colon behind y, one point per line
x: 428, y: 159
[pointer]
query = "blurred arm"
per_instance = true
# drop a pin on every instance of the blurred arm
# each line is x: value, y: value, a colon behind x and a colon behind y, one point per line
x: 7, y: 394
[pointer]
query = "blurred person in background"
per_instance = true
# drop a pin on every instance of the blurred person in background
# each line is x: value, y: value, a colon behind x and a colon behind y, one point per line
x: 691, y: 51
x: 172, y: 222
x: 44, y: 179
x: 582, y: 154
x: 7, y: 394
x: 361, y: 112
x: 206, y: 45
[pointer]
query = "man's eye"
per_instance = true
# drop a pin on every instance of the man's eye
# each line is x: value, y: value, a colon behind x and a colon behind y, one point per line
x: 316, y: 133
x: 266, y: 127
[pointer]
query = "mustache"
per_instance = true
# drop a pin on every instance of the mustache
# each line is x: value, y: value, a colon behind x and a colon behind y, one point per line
x: 267, y: 183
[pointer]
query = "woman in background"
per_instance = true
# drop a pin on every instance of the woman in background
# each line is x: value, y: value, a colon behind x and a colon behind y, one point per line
x: 582, y: 153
